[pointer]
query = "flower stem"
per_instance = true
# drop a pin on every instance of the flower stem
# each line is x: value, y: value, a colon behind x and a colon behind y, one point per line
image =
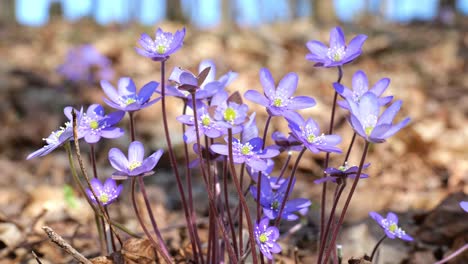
x: 349, y: 149
x: 188, y: 178
x: 92, y: 155
x: 155, y: 244
x: 211, y: 195
x: 132, y: 126
x: 453, y: 255
x: 327, y: 159
x: 242, y: 199
x: 348, y: 200
x: 288, y: 188
x: 285, y: 166
x: 172, y: 158
x: 376, y: 247
x: 151, y: 215
x: 259, y: 179
x: 228, y: 209
x: 241, y: 222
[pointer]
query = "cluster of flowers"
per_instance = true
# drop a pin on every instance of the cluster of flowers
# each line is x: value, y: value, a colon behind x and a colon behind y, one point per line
x: 216, y: 114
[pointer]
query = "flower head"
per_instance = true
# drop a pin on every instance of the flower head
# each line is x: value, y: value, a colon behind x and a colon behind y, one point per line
x: 207, y: 126
x: 229, y: 110
x: 249, y: 152
x: 338, y: 53
x: 279, y: 101
x: 205, y: 88
x: 164, y: 44
x: 308, y: 133
x: 390, y: 226
x: 283, y: 143
x: 266, y: 237
x: 365, y: 119
x: 271, y: 201
x: 94, y: 124
x: 464, y: 206
x: 85, y: 63
x: 342, y: 172
x: 360, y: 87
x: 136, y: 164
x: 275, y: 182
x: 106, y: 193
x: 126, y: 98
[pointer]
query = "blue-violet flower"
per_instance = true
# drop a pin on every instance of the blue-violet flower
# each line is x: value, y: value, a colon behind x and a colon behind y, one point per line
x: 266, y: 237
x: 164, y: 44
x: 106, y: 193
x: 136, y: 164
x: 390, y: 226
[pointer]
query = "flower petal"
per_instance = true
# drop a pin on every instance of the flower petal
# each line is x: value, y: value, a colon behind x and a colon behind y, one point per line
x: 110, y: 91
x: 268, y: 83
x: 287, y: 86
x: 118, y: 160
x: 337, y: 38
x: 380, y: 87
x: 146, y: 91
x: 126, y: 86
x: 256, y: 97
x: 301, y: 102
x: 136, y: 152
x: 389, y: 113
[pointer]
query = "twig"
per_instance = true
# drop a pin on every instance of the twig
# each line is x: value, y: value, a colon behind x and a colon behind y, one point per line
x: 38, y: 260
x: 59, y: 241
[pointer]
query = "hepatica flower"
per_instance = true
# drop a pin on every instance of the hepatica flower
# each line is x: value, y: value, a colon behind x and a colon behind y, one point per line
x: 135, y: 164
x: 338, y: 53
x: 85, y: 63
x: 271, y: 201
x: 126, y: 98
x: 390, y: 226
x: 279, y: 101
x: 207, y: 126
x: 160, y: 48
x: 230, y: 111
x: 365, y: 119
x: 464, y: 206
x: 308, y: 133
x: 283, y: 143
x: 54, y: 140
x: 360, y: 87
x: 106, y: 193
x: 342, y: 172
x: 249, y: 152
x: 206, y: 88
x: 266, y: 237
x: 95, y: 124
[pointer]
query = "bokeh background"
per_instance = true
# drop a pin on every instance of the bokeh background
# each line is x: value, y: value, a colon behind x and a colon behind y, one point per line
x: 421, y: 173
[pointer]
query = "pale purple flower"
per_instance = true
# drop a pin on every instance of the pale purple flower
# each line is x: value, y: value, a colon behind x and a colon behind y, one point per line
x: 360, y: 87
x: 95, y: 124
x: 274, y: 182
x: 271, y: 201
x: 308, y: 133
x: 54, y: 140
x: 206, y: 89
x: 390, y: 226
x: 365, y: 119
x: 126, y: 98
x: 106, y: 193
x: 249, y: 152
x: 85, y: 63
x: 164, y: 44
x: 135, y: 164
x: 229, y: 110
x: 338, y: 53
x: 207, y: 126
x: 283, y: 143
x: 266, y: 237
x: 341, y: 173
x: 279, y: 101
x: 464, y: 205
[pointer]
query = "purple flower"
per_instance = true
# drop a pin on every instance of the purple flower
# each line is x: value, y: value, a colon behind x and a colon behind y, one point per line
x: 85, y: 63
x: 283, y: 143
x: 338, y: 53
x: 279, y: 101
x: 308, y: 132
x: 164, y: 44
x: 274, y: 182
x: 54, y: 140
x: 94, y: 124
x: 207, y: 126
x: 249, y: 152
x: 136, y: 164
x: 266, y: 237
x: 464, y: 206
x: 229, y: 110
x: 271, y: 201
x: 106, y: 193
x: 360, y: 87
x: 212, y: 156
x: 126, y: 97
x: 206, y: 89
x: 365, y: 120
x: 390, y: 226
x: 342, y: 172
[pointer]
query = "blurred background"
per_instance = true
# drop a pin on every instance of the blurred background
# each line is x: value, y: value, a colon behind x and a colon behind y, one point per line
x: 54, y: 53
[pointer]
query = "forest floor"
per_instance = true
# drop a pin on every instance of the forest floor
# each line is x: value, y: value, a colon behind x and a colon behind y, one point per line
x: 421, y: 173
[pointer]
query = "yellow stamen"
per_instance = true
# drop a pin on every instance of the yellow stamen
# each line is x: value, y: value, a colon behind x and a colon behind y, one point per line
x: 229, y: 114
x: 93, y: 124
